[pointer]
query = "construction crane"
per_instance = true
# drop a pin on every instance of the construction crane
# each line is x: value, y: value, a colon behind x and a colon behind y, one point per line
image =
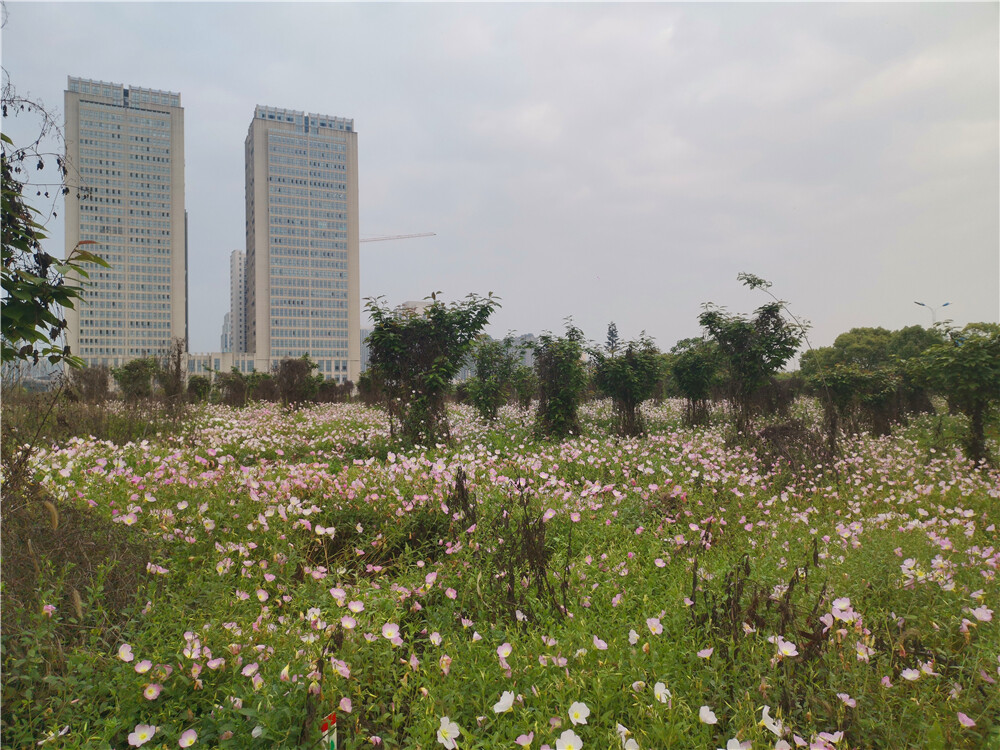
x: 385, y: 237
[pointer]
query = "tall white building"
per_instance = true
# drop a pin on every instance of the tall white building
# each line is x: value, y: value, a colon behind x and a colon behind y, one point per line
x: 302, y: 276
x: 127, y: 146
x: 237, y: 301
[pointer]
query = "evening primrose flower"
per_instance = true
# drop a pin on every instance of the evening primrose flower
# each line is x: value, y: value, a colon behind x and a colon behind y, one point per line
x: 144, y: 666
x: 965, y: 721
x: 448, y: 733
x: 390, y: 630
x: 505, y: 703
x: 142, y: 734
x: 188, y: 738
x: 661, y: 693
x: 654, y: 625
x: 524, y: 740
x: 773, y: 725
x: 152, y: 692
x: 125, y: 654
x: 569, y: 740
x: 578, y: 713
x: 707, y: 716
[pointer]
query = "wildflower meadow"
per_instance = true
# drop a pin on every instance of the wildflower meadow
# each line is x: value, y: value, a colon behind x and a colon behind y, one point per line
x: 672, y: 590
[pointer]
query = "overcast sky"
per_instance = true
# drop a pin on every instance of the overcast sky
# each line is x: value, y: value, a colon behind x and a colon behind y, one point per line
x: 601, y: 161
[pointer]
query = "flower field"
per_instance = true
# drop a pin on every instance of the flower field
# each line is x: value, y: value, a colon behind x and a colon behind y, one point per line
x: 658, y: 592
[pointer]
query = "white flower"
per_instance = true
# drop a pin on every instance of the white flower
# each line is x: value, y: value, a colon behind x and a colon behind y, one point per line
x: 578, y: 713
x: 505, y: 703
x: 773, y: 725
x: 448, y: 732
x: 569, y: 740
x: 661, y: 693
x: 706, y: 715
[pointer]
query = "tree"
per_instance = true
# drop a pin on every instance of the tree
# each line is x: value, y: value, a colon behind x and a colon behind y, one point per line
x: 294, y: 380
x: 561, y: 382
x: 695, y: 366
x: 135, y: 378
x: 199, y: 388
x: 628, y: 379
x: 966, y: 368
x: 753, y: 349
x: 525, y: 386
x: 417, y: 355
x: 170, y: 374
x: 496, y: 363
x: 612, y: 342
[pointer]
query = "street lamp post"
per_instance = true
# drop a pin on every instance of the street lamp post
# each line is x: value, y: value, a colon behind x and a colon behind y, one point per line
x: 932, y: 309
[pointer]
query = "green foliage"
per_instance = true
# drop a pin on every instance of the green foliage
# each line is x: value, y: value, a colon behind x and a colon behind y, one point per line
x: 753, y: 349
x: 135, y: 378
x: 525, y: 385
x: 370, y: 388
x: 199, y: 387
x: 613, y: 342
x: 496, y: 362
x: 92, y: 384
x: 857, y: 397
x: 35, y: 284
x: 294, y: 380
x: 561, y: 382
x: 966, y: 369
x: 695, y: 366
x: 416, y: 356
x: 629, y: 379
x: 233, y: 387
x: 261, y: 387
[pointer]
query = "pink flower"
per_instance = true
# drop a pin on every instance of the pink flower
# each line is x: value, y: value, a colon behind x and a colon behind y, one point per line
x: 848, y: 700
x: 390, y: 630
x: 445, y: 663
x: 188, y: 738
x: 144, y: 666
x: 525, y: 739
x: 346, y: 705
x: 142, y: 734
x: 152, y: 692
x: 965, y: 721
x: 48, y: 610
x: 356, y: 607
x: 451, y: 593
x: 348, y: 623
x: 654, y: 625
x: 705, y: 652
x: 125, y: 654
x: 599, y: 644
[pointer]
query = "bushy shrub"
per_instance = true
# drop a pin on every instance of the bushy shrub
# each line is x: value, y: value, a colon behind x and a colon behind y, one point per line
x: 629, y: 378
x: 495, y: 362
x: 92, y: 384
x: 562, y: 379
x: 696, y: 367
x: 135, y: 378
x: 417, y: 355
x: 199, y: 388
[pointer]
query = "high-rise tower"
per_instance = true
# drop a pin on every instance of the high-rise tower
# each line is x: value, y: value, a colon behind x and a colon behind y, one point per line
x: 302, y: 281
x: 237, y: 301
x: 127, y: 146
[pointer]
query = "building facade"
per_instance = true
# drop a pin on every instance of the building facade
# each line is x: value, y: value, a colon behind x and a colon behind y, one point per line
x: 302, y: 273
x: 127, y: 147
x: 237, y: 302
